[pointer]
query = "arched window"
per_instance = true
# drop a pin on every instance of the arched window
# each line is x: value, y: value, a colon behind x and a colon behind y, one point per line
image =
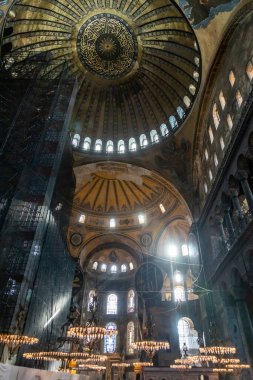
x: 91, y: 296
x: 95, y: 265
x: 121, y: 146
x: 222, y: 100
x: 98, y: 145
x: 187, y: 335
x: 229, y: 121
x: 179, y: 293
x: 192, y: 89
x: 166, y: 289
x: 222, y: 144
x: 123, y: 268
x: 141, y: 218
x: 239, y: 98
x: 76, y: 140
x: 206, y: 154
x: 185, y: 251
x: 216, y: 116
x: 180, y: 112
x: 112, y: 304
x: 143, y: 141
x: 154, y: 136
x: 210, y: 132
x: 103, y: 267
x: 130, y: 337
x: 196, y: 76
x: 162, y: 208
x: 114, y: 268
x: 249, y: 70
x: 81, y: 218
x: 164, y: 130
x: 178, y: 278
x: 173, y: 121
x: 131, y: 266
x: 131, y: 301
x: 132, y: 144
x: 187, y: 101
x: 210, y: 174
x: 231, y: 78
x: 112, y: 223
x: 205, y: 188
x: 86, y: 143
x: 109, y: 146
x: 110, y: 340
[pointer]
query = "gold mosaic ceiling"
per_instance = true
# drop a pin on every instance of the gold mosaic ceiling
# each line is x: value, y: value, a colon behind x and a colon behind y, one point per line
x: 109, y: 189
x: 138, y: 61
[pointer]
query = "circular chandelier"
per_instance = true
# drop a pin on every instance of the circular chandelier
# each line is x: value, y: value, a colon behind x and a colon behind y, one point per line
x: 216, y: 364
x: 94, y: 367
x: 237, y: 366
x: 222, y: 370
x: 55, y: 355
x: 18, y: 340
x: 179, y: 366
x: 88, y: 333
x: 96, y: 358
x: 142, y: 364
x: 197, y: 359
x: 151, y: 346
x: 14, y: 341
x: 218, y: 350
x: 229, y: 361
x: 121, y: 365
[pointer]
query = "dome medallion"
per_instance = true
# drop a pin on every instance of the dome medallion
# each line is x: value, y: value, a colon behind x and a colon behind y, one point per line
x: 107, y: 46
x: 138, y: 64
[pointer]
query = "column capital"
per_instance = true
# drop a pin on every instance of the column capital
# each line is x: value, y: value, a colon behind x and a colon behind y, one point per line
x: 226, y: 208
x: 234, y: 192
x: 242, y: 174
x: 219, y: 219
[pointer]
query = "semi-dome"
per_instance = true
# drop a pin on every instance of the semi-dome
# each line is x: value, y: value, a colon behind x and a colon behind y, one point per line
x: 124, y: 194
x: 138, y: 64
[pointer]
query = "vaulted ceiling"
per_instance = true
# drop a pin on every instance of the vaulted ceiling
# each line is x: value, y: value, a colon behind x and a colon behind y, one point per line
x: 138, y: 63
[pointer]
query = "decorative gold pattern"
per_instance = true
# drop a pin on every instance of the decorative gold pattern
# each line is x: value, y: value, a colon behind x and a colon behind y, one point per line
x: 110, y: 189
x: 107, y: 46
x: 149, y: 55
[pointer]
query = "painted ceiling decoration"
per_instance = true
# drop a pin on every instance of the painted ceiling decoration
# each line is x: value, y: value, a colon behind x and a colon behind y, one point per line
x: 201, y: 12
x: 138, y: 63
x: 117, y: 190
x: 116, y: 256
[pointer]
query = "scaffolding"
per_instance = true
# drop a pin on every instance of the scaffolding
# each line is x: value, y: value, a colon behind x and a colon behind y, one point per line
x: 31, y: 152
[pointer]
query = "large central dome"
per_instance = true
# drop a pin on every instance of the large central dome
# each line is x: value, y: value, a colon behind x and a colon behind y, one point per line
x: 107, y: 46
x: 137, y: 62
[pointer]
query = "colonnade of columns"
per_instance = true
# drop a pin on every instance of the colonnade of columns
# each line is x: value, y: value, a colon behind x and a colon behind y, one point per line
x: 230, y: 228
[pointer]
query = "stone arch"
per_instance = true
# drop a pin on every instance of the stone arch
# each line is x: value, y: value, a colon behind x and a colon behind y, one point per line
x: 187, y: 335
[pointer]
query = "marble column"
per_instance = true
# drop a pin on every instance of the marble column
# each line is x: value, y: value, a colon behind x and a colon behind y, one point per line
x: 229, y: 223
x: 220, y: 228
x: 242, y: 175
